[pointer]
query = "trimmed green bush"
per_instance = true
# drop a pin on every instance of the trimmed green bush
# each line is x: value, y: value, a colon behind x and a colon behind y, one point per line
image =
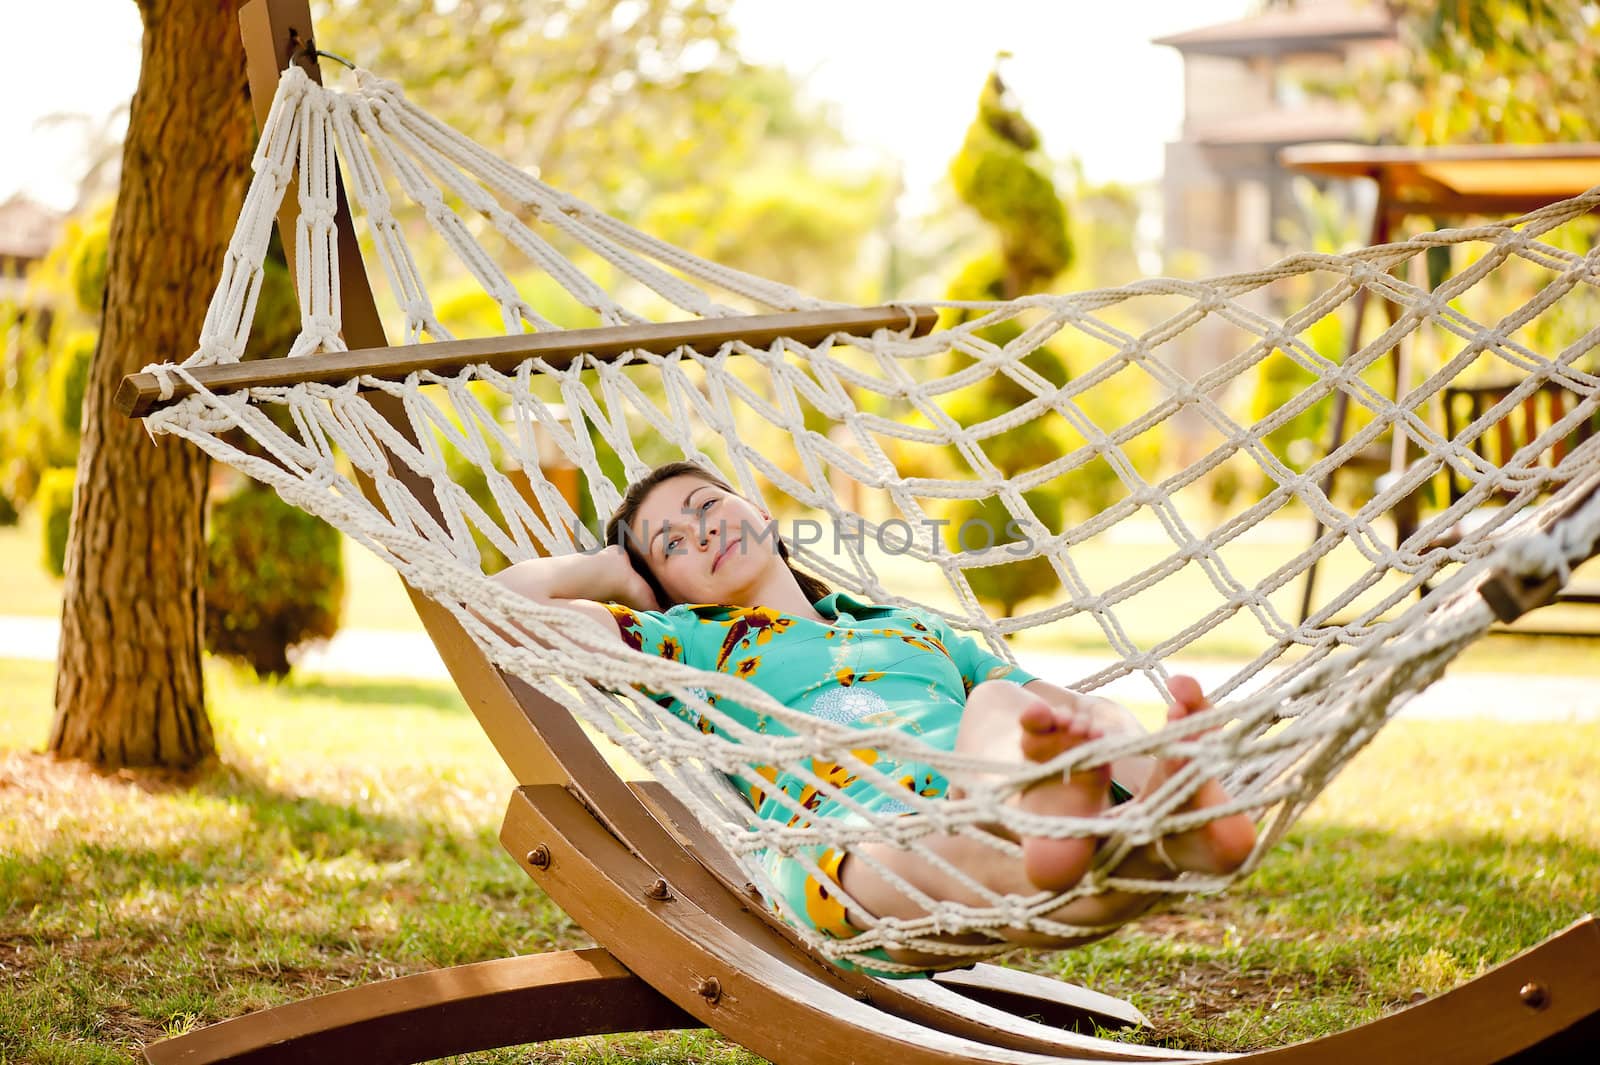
x: 89, y: 256
x: 274, y: 579
x: 54, y: 500
x: 1001, y: 173
x: 69, y: 379
x: 976, y: 525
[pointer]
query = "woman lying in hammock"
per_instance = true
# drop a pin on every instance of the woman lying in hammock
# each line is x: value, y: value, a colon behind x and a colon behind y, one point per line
x: 682, y: 579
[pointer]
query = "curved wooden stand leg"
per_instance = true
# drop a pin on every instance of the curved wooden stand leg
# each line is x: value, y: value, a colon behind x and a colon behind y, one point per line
x: 1536, y: 1007
x: 736, y: 979
x: 1023, y: 996
x: 1055, y: 1003
x: 430, y: 1015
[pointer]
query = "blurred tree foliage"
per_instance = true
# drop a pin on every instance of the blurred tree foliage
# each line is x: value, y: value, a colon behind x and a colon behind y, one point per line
x: 644, y: 108
x: 775, y: 220
x: 1486, y: 72
x: 1001, y: 173
x: 610, y: 102
x: 49, y: 341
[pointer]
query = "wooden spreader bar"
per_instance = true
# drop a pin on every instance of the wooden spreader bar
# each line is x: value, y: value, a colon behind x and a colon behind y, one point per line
x: 140, y: 393
x: 1510, y: 596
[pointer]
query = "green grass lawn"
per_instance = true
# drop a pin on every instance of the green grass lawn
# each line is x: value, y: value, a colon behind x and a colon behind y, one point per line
x: 30, y: 590
x: 348, y: 835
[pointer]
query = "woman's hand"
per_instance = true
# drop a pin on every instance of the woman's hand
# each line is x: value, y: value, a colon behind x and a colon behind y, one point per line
x: 582, y: 583
x: 615, y: 572
x: 604, y: 576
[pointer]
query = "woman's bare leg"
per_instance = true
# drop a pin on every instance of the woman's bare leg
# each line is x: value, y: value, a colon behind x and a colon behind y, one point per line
x: 1001, y: 721
x: 1218, y: 846
x: 1009, y: 715
x: 1003, y: 718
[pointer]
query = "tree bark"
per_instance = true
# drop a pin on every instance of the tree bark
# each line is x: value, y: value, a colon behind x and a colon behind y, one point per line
x: 129, y: 689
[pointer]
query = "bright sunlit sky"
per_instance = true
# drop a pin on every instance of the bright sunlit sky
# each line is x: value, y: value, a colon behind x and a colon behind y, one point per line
x: 903, y: 77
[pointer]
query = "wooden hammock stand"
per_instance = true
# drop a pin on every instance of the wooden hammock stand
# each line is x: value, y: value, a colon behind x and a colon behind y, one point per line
x: 684, y: 942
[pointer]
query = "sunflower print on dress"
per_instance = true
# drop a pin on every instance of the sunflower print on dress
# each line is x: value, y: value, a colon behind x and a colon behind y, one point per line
x: 925, y: 642
x: 927, y: 784
x: 812, y: 796
x: 749, y: 626
x: 824, y: 911
x: 754, y: 792
x: 627, y: 625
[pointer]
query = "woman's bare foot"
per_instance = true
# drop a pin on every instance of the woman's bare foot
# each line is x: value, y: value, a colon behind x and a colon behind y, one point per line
x: 1057, y: 864
x: 1219, y: 846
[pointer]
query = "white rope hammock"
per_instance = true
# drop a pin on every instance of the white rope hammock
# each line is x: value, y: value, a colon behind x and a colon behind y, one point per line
x: 1312, y: 694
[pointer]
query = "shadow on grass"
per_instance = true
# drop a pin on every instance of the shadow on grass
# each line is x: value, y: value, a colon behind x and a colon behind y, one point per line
x: 224, y: 826
x: 138, y: 904
x: 187, y: 903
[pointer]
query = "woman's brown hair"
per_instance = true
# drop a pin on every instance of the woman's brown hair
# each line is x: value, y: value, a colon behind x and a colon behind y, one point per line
x: 618, y: 528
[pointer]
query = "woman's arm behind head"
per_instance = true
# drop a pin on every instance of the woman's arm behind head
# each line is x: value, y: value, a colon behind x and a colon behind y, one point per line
x: 582, y: 583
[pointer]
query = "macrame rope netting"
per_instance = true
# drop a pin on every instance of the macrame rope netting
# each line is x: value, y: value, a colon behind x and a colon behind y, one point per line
x: 1310, y: 695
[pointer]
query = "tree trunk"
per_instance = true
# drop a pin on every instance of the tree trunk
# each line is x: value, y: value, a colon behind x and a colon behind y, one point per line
x: 128, y: 684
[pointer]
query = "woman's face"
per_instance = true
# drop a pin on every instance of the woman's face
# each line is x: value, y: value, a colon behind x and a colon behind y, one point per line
x: 704, y: 544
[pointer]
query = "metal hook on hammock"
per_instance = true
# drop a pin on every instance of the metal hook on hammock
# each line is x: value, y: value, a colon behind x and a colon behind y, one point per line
x: 310, y: 51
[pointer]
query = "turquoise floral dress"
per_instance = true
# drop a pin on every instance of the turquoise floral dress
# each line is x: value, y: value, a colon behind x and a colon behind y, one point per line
x: 865, y: 666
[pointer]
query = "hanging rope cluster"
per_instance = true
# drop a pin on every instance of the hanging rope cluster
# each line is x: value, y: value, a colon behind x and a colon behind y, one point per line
x: 866, y: 417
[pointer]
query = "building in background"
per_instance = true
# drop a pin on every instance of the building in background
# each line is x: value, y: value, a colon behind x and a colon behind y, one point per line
x: 1245, y: 97
x: 27, y: 231
x: 1225, y: 197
